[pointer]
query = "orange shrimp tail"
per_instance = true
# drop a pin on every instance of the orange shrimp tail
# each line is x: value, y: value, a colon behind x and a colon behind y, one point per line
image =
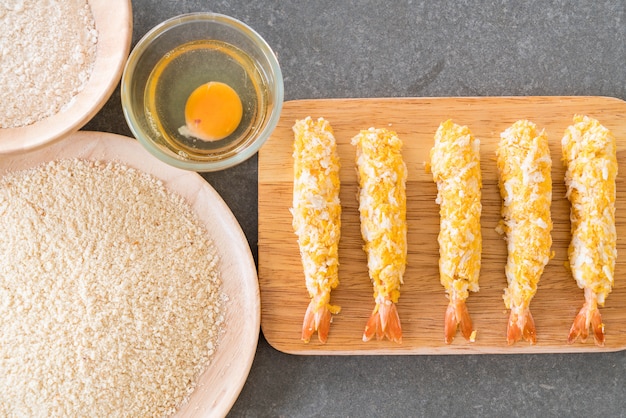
x: 384, y: 322
x: 521, y: 325
x: 316, y: 319
x: 457, y: 316
x: 589, y: 315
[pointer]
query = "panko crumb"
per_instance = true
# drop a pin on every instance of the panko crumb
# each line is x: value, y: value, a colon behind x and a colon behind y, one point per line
x: 109, y: 293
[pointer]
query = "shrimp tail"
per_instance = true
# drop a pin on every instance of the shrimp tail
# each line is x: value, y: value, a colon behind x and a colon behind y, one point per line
x: 457, y: 316
x: 521, y: 325
x: 317, y: 318
x: 384, y: 322
x: 589, y: 315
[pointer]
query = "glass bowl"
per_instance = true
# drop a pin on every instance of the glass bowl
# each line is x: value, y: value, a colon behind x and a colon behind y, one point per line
x: 183, y: 53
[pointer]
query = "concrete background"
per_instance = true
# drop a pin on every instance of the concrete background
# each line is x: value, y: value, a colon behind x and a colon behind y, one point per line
x: 415, y: 48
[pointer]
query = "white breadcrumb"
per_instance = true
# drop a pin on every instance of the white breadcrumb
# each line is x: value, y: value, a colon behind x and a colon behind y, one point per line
x: 110, y: 300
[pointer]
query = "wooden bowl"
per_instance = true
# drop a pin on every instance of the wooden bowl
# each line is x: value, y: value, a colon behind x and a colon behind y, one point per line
x: 220, y: 384
x: 113, y: 19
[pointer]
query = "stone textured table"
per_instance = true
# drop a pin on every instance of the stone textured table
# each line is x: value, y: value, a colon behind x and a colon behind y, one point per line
x: 414, y: 48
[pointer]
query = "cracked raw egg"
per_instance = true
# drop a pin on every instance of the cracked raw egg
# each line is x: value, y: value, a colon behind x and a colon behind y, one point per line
x: 212, y: 112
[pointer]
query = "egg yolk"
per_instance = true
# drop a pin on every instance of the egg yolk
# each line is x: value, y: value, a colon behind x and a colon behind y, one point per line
x: 213, y: 111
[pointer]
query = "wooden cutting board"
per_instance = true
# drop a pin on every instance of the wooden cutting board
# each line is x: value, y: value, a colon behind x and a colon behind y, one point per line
x: 422, y: 302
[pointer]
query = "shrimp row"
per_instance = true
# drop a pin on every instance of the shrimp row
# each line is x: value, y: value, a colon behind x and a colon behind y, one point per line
x: 524, y: 166
x: 316, y: 221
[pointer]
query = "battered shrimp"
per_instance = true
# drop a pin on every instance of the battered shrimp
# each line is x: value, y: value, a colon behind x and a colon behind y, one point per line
x: 590, y: 157
x: 455, y: 165
x: 382, y: 206
x: 524, y: 164
x: 317, y: 219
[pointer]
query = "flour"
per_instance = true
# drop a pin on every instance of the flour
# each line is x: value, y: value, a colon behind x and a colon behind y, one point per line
x: 47, y: 51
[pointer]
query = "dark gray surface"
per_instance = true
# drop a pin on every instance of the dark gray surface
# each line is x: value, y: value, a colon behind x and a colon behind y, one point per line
x: 412, y: 48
